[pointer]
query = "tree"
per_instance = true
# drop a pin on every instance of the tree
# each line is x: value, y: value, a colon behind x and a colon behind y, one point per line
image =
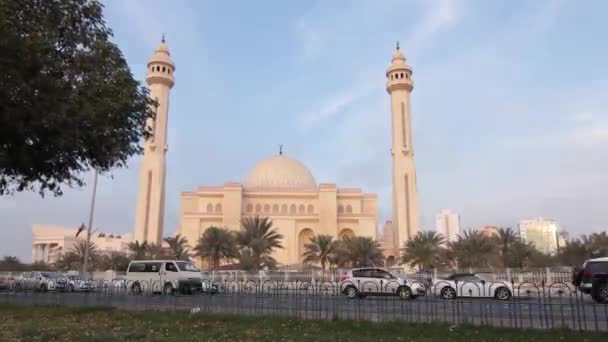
x: 257, y: 240
x: 115, y: 261
x: 519, y: 254
x: 320, y: 249
x: 68, y: 101
x: 178, y: 246
x: 216, y: 244
x: 79, y: 249
x: 138, y: 250
x: 473, y: 249
x: 11, y: 263
x: 505, y: 238
x: 154, y: 251
x: 359, y: 251
x: 574, y: 253
x: 424, y: 250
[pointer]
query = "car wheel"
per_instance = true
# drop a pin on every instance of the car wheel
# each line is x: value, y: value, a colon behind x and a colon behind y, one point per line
x: 602, y: 294
x: 351, y: 292
x: 43, y: 288
x: 448, y: 293
x: 502, y: 293
x: 71, y: 288
x: 168, y: 289
x: 404, y: 292
x: 136, y: 288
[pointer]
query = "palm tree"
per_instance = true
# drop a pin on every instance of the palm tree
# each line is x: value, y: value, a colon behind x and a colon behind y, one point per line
x: 574, y: 253
x: 505, y: 238
x: 216, y: 244
x: 79, y: 251
x: 520, y: 254
x: 424, y: 250
x: 257, y: 240
x: 473, y: 249
x: 179, y: 247
x: 11, y: 263
x: 115, y: 261
x: 138, y: 250
x: 359, y: 251
x: 320, y: 250
x: 154, y: 251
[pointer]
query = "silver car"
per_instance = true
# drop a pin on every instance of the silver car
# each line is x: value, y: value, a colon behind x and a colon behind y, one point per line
x: 371, y: 281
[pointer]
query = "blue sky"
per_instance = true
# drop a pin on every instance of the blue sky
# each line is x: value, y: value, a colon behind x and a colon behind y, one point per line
x: 510, y: 106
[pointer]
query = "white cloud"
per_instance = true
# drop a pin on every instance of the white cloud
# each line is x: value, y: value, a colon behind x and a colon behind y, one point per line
x: 440, y: 16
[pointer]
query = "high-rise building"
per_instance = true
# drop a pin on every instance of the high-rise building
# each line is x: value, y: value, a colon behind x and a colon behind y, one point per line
x: 150, y: 211
x: 447, y: 223
x: 541, y: 232
x: 399, y: 85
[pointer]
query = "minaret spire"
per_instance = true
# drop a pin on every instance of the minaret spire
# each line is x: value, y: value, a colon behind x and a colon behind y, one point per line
x: 162, y: 40
x: 397, y: 45
x: 281, y: 149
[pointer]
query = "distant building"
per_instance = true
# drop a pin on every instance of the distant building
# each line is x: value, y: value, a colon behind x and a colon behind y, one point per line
x: 541, y: 232
x: 50, y: 241
x: 488, y: 231
x: 447, y: 223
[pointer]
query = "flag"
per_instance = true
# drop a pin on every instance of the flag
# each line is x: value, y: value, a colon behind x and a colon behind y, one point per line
x: 80, y: 229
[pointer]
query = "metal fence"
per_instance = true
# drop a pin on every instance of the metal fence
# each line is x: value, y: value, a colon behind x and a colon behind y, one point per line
x: 543, y: 305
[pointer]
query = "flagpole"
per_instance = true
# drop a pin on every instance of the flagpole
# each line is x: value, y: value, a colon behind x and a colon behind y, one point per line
x: 85, y: 264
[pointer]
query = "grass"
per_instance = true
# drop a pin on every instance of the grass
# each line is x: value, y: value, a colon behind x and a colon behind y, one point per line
x: 52, y: 323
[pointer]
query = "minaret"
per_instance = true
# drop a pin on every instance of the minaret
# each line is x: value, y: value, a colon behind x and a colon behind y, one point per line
x: 405, y: 194
x: 151, y: 197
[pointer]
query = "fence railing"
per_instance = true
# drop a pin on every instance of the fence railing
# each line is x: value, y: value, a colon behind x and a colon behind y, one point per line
x: 522, y: 304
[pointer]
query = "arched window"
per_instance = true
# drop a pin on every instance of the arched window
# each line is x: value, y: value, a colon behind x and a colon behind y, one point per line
x: 310, y: 209
x: 249, y: 207
x: 209, y: 208
x: 301, y: 209
x: 284, y: 209
x: 349, y: 209
x: 258, y: 208
x: 163, y: 69
x: 340, y: 209
x: 292, y: 209
x: 401, y: 75
x: 218, y: 208
x: 304, y: 239
x: 266, y: 208
x: 275, y: 209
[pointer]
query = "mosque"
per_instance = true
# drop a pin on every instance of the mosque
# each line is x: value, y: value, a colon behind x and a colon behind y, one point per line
x: 280, y: 187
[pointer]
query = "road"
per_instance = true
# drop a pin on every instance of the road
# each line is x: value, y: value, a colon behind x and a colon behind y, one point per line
x: 573, y: 312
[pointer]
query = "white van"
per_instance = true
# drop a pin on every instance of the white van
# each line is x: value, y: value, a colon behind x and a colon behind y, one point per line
x: 166, y: 276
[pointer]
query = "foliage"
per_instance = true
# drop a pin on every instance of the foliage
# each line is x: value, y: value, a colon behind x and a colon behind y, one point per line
x: 519, y: 254
x: 358, y: 251
x: 320, y: 249
x: 505, y: 238
x: 11, y: 263
x: 154, y: 251
x: 74, y: 258
x: 257, y: 240
x: 178, y: 247
x: 137, y: 250
x: 215, y: 245
x: 68, y: 101
x: 473, y: 249
x: 424, y: 250
x: 115, y: 261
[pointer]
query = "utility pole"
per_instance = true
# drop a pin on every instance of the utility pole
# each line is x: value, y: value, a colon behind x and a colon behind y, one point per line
x: 85, y: 265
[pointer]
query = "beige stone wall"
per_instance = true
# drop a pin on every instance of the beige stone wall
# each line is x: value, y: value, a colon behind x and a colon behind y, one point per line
x: 297, y: 215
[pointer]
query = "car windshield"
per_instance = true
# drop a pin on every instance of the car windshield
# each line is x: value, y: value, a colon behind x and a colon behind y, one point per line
x: 186, y: 266
x: 74, y: 277
x: 48, y: 275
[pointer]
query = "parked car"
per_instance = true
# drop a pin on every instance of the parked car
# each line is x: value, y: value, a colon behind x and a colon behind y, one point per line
x: 371, y: 281
x: 471, y: 285
x: 41, y: 281
x: 592, y: 279
x: 166, y: 276
x: 77, y: 283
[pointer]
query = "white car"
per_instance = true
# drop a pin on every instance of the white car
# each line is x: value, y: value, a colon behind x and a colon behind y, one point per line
x: 166, y: 276
x: 371, y: 281
x: 471, y: 285
x: 41, y: 281
x: 76, y: 283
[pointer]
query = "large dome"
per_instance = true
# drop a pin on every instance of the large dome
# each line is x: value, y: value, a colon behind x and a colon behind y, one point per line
x: 280, y: 173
